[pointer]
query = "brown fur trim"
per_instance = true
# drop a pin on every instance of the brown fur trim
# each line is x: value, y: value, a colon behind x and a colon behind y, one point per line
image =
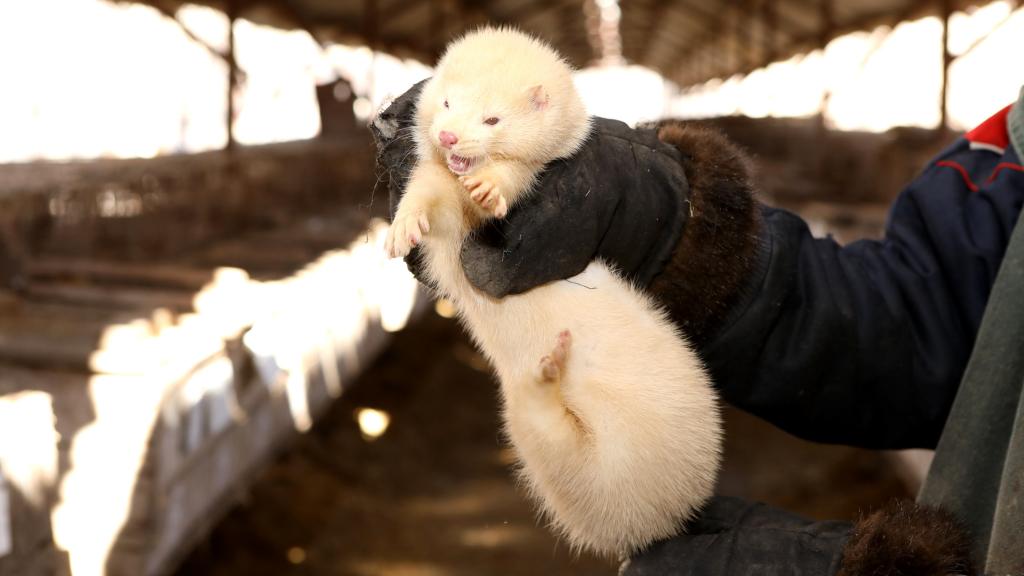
x: 715, y: 254
x: 906, y: 539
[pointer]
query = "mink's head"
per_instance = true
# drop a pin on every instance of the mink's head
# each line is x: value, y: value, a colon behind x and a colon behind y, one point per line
x: 499, y: 93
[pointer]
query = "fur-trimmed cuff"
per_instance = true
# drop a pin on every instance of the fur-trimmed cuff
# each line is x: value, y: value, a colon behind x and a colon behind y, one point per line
x: 904, y: 539
x: 717, y: 251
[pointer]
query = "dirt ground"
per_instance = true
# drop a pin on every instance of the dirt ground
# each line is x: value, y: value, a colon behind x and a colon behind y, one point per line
x: 434, y: 495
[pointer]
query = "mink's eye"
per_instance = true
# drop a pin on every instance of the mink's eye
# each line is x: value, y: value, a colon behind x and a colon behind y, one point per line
x: 445, y: 102
x: 492, y: 121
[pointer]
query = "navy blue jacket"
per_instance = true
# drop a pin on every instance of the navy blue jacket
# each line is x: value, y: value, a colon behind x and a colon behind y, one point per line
x: 865, y: 344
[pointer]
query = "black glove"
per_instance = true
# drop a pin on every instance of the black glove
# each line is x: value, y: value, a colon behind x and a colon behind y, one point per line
x: 622, y: 198
x: 733, y: 538
x: 736, y: 538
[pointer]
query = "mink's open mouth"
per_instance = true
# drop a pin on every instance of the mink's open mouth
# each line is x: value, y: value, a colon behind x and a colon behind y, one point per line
x: 460, y: 164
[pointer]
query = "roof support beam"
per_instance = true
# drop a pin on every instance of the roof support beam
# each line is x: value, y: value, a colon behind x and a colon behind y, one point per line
x: 436, y: 30
x: 826, y: 21
x: 769, y: 32
x: 173, y: 15
x: 809, y: 40
x: 782, y: 23
x: 713, y: 31
x: 739, y: 44
x: 876, y: 18
x: 371, y: 18
x: 232, y: 13
x: 680, y: 38
x: 986, y: 35
x: 945, y: 11
x: 657, y: 24
x: 299, y: 18
x: 826, y: 25
x: 400, y: 8
x: 527, y: 11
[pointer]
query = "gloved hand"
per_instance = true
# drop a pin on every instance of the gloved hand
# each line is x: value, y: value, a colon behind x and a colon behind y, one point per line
x: 732, y: 537
x: 621, y: 198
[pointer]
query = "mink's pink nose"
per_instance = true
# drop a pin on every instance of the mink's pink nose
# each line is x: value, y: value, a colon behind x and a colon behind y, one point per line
x: 448, y: 139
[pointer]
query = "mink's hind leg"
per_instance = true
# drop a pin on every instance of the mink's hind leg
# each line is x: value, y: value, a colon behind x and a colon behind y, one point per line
x: 552, y: 366
x: 547, y: 391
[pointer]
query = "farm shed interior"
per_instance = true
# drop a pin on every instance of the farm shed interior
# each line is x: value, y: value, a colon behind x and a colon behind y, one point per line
x: 173, y: 327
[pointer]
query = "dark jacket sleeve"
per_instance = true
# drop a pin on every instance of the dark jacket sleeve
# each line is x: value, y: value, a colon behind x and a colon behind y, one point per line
x: 736, y: 538
x: 865, y: 344
x: 733, y: 537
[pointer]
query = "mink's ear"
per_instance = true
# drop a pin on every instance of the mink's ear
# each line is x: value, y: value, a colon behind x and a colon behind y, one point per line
x: 538, y: 97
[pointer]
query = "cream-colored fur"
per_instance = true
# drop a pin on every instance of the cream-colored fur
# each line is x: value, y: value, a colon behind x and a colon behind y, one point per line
x: 610, y: 412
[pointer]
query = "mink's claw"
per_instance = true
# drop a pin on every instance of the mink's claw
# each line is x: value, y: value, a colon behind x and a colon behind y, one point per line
x: 406, y: 232
x: 501, y: 210
x: 487, y: 195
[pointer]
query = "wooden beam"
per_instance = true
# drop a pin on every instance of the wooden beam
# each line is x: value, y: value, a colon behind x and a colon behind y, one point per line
x: 529, y: 11
x: 348, y: 28
x: 106, y: 272
x: 436, y: 31
x: 302, y: 20
x: 826, y: 21
x: 232, y: 14
x: 566, y: 17
x: 370, y: 23
x: 738, y: 45
x: 463, y: 15
x: 645, y: 40
x: 172, y: 13
x: 478, y: 11
x: 783, y: 23
x: 875, y: 18
x: 657, y: 23
x: 978, y: 41
x: 231, y: 9
x: 713, y: 32
x: 769, y: 32
x: 811, y: 38
x: 945, y: 11
x: 400, y: 8
x: 709, y: 61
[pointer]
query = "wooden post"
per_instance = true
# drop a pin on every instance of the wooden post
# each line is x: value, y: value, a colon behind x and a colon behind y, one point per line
x: 769, y: 29
x: 436, y: 32
x: 370, y: 23
x: 461, y: 16
x: 709, y: 63
x: 232, y: 73
x: 826, y: 24
x: 737, y: 34
x: 947, y: 59
x: 370, y: 35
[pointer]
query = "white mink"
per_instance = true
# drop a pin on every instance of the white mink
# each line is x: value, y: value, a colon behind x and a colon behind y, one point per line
x: 611, y: 414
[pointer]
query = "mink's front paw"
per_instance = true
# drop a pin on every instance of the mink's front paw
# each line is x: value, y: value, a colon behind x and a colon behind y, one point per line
x: 486, y: 194
x: 407, y: 230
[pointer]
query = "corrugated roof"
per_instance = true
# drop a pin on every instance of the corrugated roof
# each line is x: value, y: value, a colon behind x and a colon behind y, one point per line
x: 687, y: 41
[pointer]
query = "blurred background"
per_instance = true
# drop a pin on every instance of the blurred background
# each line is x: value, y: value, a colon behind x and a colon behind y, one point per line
x: 208, y: 367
